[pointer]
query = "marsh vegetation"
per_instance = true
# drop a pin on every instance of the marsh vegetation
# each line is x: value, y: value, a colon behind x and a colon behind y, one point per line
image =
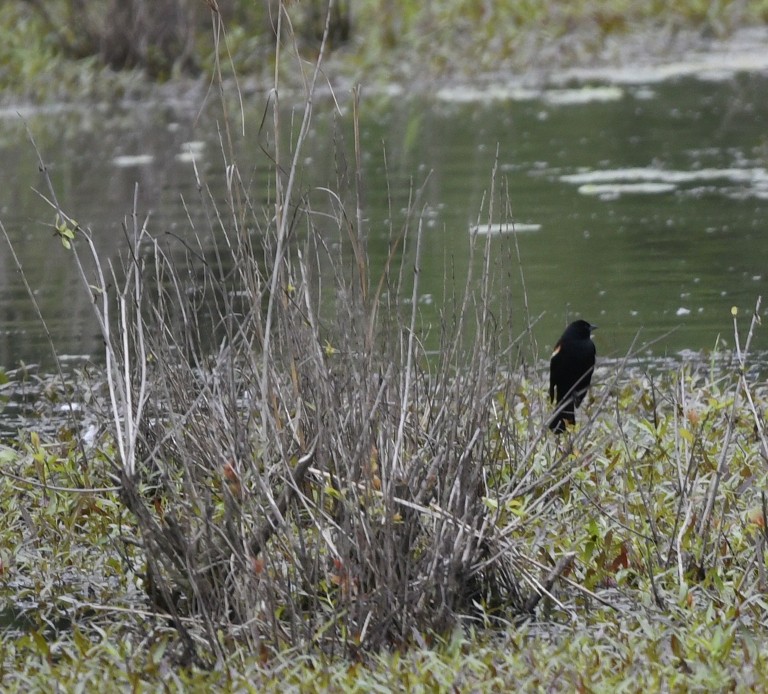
x: 319, y: 502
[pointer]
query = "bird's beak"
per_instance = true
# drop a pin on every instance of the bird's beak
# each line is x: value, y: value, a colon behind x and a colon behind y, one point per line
x: 592, y: 328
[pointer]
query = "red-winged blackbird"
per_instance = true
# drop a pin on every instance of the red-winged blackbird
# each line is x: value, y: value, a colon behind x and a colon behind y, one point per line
x: 570, y: 372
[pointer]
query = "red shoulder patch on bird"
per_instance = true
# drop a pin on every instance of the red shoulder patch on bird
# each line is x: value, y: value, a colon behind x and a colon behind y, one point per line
x: 558, y: 346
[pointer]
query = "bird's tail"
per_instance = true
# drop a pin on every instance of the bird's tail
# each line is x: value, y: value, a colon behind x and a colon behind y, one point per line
x: 565, y: 413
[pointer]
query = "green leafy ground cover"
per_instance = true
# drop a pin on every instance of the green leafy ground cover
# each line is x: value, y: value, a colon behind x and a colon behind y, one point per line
x: 652, y: 601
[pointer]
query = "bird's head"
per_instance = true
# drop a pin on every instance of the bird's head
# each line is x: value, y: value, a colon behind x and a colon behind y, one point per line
x: 581, y: 329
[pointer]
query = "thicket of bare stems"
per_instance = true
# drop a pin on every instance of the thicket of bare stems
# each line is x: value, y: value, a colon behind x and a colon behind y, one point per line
x: 301, y: 474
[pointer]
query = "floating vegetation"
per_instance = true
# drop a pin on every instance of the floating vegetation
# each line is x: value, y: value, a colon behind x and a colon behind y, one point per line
x: 610, y: 183
x: 582, y: 95
x: 503, y: 228
x: 126, y: 161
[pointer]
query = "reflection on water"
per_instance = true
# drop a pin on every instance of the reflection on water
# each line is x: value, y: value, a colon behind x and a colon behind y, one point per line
x: 643, y: 207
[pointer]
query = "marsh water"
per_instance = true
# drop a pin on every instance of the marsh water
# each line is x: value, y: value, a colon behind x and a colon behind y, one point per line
x: 639, y: 204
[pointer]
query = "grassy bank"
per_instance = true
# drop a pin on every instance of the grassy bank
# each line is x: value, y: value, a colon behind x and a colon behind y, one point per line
x: 60, y: 54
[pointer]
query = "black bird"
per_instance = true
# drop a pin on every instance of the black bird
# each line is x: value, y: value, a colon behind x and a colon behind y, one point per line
x: 570, y: 372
